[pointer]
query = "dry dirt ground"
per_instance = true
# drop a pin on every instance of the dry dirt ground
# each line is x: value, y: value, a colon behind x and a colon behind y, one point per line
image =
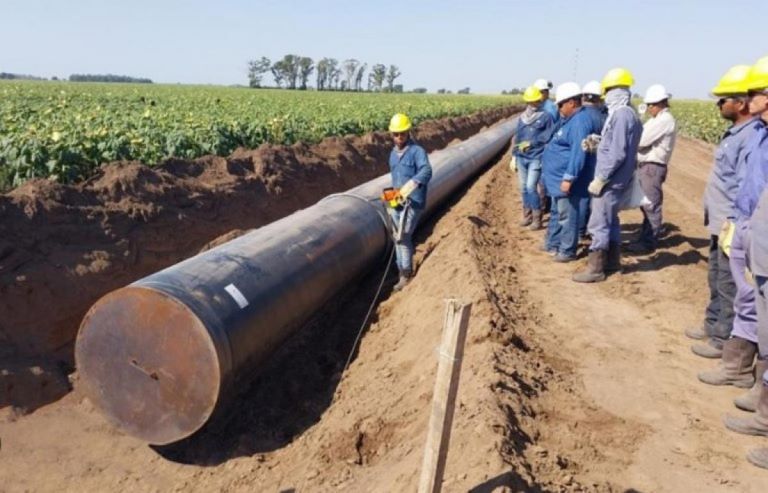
x: 564, y: 387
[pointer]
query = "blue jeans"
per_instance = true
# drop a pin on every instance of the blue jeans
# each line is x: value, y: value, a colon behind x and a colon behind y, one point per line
x: 404, y: 247
x: 563, y: 229
x: 585, y: 209
x: 528, y: 173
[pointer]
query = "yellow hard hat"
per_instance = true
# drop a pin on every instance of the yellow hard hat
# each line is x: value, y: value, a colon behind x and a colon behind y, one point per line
x: 758, y: 75
x: 733, y: 82
x: 617, y: 77
x: 532, y: 95
x: 400, y: 123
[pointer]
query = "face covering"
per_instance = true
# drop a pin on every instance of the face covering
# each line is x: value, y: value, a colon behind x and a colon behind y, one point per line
x: 530, y: 114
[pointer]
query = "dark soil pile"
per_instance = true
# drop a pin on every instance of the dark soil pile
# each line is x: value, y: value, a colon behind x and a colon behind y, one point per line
x: 64, y: 246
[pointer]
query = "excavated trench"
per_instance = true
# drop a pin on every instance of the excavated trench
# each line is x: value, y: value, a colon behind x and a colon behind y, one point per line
x: 64, y: 246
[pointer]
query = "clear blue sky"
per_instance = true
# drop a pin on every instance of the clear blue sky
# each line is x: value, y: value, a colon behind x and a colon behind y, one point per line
x: 487, y: 45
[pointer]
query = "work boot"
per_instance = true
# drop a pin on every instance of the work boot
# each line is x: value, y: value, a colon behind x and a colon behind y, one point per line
x: 736, y: 366
x: 527, y: 217
x: 613, y: 262
x: 758, y: 457
x: 709, y: 349
x: 753, y: 424
x: 748, y: 402
x: 535, y: 220
x: 405, y: 278
x: 697, y: 333
x: 595, y: 271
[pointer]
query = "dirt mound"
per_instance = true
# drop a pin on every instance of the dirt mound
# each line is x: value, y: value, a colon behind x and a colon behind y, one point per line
x: 62, y: 247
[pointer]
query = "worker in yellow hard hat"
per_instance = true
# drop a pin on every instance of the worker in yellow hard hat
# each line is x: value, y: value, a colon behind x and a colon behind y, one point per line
x: 615, y: 167
x: 534, y: 129
x: 411, y: 172
x: 719, y: 197
x: 751, y: 236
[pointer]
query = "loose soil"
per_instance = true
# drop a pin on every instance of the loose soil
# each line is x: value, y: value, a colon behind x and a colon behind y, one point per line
x: 564, y: 387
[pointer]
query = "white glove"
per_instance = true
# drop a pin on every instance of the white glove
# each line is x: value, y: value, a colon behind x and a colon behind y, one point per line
x: 408, y: 189
x: 725, y: 238
x: 513, y: 164
x: 596, y: 186
x: 591, y: 143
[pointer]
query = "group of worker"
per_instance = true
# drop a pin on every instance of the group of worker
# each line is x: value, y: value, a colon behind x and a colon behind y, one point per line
x: 584, y: 152
x: 587, y: 156
x: 592, y: 154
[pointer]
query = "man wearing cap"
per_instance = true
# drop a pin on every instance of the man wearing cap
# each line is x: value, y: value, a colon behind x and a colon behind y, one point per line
x: 567, y: 171
x: 750, y: 229
x: 654, y: 152
x: 719, y: 204
x: 544, y: 86
x: 411, y: 172
x: 616, y: 162
x: 592, y: 101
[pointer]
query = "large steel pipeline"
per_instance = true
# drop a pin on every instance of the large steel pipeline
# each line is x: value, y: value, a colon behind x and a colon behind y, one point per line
x: 160, y: 355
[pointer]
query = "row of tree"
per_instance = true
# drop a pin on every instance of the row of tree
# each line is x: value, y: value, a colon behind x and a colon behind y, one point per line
x: 294, y: 71
x: 107, y: 78
x: 10, y: 76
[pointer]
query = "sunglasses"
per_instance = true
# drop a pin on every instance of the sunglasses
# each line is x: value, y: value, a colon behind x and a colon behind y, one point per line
x: 723, y: 100
x: 398, y: 135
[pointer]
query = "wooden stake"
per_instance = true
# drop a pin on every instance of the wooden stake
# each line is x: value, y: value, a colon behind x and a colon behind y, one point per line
x: 444, y: 398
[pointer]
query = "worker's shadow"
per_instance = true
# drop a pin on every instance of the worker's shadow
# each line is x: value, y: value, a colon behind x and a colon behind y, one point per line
x: 293, y: 389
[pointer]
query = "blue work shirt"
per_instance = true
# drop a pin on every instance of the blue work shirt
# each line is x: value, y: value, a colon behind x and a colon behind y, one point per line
x: 413, y: 164
x: 538, y: 133
x: 550, y: 107
x: 598, y: 116
x: 727, y: 175
x: 564, y: 158
x: 617, y: 152
x: 755, y: 174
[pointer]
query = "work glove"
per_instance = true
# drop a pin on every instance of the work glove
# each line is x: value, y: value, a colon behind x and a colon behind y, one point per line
x: 725, y: 238
x: 406, y: 190
x: 524, y: 145
x: 596, y: 186
x: 591, y: 143
x: 513, y: 164
x: 749, y: 277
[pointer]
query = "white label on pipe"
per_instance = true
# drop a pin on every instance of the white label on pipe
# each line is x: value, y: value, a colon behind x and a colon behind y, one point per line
x: 236, y: 295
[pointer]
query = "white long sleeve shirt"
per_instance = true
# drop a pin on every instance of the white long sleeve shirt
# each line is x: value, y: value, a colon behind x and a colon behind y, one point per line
x: 658, y: 139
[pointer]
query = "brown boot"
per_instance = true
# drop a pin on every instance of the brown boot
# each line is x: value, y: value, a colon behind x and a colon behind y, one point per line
x: 758, y: 457
x: 595, y: 271
x: 697, y: 333
x: 535, y: 220
x: 735, y: 368
x: 526, y: 217
x: 613, y: 264
x: 748, y: 402
x: 754, y: 424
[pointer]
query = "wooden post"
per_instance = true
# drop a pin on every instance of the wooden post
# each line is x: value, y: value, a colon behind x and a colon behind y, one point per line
x: 444, y: 398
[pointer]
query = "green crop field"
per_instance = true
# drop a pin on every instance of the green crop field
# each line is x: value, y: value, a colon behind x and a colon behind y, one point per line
x: 65, y: 130
x: 699, y: 119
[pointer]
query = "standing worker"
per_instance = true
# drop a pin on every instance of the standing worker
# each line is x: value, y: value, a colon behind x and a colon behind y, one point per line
x: 752, y: 188
x: 411, y: 172
x: 616, y: 161
x: 545, y: 86
x: 592, y: 102
x: 568, y: 169
x: 534, y: 129
x: 654, y: 153
x: 719, y: 202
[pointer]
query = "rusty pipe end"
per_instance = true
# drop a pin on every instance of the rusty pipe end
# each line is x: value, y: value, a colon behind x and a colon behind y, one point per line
x: 149, y: 364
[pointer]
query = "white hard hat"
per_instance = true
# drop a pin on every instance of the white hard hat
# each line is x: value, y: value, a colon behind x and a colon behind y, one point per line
x: 655, y: 94
x: 542, y: 84
x: 593, y: 87
x: 566, y: 90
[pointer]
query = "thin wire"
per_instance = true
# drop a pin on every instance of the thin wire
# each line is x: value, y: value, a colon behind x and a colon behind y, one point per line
x: 370, y: 309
